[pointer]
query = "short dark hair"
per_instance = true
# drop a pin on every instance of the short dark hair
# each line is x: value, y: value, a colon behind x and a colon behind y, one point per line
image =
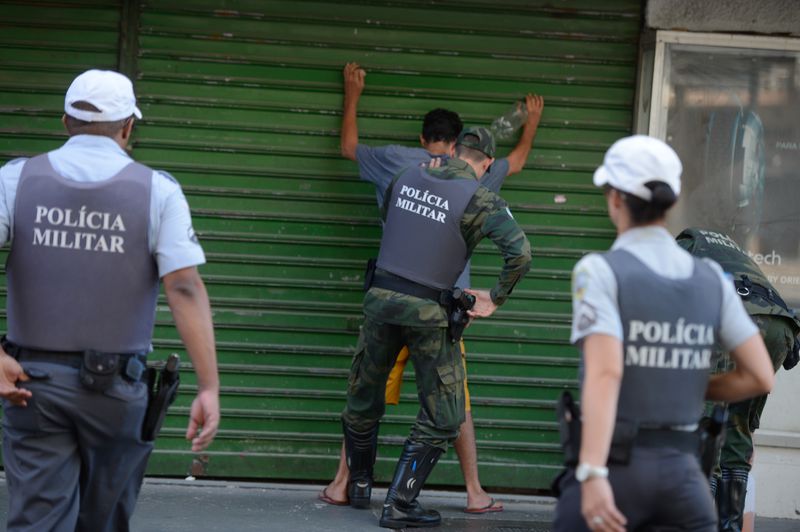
x: 465, y: 152
x: 441, y: 125
x: 76, y: 126
x: 643, y: 212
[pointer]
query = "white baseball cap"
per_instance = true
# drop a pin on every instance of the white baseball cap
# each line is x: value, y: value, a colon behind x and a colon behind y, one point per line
x: 109, y: 91
x: 633, y: 161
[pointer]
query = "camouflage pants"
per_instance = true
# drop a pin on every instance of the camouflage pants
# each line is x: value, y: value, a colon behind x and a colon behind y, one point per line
x: 439, y: 373
x: 744, y: 417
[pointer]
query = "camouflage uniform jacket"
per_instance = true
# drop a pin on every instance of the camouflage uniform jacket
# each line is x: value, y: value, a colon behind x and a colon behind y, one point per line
x: 486, y: 215
x: 735, y: 261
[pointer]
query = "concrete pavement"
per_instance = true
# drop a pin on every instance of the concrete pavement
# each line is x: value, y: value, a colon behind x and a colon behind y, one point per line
x: 295, y: 507
x: 168, y: 505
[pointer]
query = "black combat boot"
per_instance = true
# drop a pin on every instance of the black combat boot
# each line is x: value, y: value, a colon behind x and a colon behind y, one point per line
x: 401, y: 509
x: 730, y: 495
x: 360, y: 450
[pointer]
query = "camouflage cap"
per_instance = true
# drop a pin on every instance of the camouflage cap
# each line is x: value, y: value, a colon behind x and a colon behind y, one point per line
x: 477, y: 138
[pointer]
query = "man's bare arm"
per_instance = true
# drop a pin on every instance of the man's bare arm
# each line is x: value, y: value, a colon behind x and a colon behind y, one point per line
x: 603, y: 369
x: 516, y: 159
x: 353, y: 86
x: 188, y: 300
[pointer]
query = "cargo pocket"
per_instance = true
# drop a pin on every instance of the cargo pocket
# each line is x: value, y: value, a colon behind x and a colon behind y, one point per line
x: 354, y: 378
x: 449, y: 414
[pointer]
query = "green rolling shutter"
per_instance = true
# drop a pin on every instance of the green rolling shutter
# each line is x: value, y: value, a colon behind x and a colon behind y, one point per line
x: 242, y: 101
x: 41, y: 50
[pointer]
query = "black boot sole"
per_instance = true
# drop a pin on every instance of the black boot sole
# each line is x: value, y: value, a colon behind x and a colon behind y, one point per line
x: 397, y: 523
x: 360, y: 496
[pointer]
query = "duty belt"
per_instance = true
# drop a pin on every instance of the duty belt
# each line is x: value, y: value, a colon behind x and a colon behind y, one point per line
x: 684, y: 441
x: 67, y: 358
x: 390, y: 281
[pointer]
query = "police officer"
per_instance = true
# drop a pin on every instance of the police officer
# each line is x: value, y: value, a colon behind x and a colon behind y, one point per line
x: 379, y: 165
x: 91, y: 233
x: 434, y: 218
x: 645, y: 316
x: 779, y: 327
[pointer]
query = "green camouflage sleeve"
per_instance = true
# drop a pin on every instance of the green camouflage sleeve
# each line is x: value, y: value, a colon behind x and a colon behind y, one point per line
x: 487, y: 215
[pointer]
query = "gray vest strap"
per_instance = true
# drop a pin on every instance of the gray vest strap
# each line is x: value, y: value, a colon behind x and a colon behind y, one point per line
x: 422, y: 238
x: 669, y: 330
x: 80, y: 272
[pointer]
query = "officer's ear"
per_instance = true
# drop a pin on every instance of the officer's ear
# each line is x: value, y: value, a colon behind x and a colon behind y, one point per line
x: 127, y: 129
x: 451, y: 150
x: 619, y: 198
x: 615, y: 199
x: 487, y: 163
x: 613, y: 196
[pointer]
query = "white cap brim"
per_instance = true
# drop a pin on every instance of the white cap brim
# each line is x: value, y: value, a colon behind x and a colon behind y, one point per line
x: 601, y: 177
x: 90, y: 116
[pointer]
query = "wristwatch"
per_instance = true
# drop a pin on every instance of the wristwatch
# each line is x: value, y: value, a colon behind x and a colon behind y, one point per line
x: 586, y: 471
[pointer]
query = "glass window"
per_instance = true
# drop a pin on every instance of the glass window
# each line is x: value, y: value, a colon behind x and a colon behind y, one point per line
x: 732, y: 113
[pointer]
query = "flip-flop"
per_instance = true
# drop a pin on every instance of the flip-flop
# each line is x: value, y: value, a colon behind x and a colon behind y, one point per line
x: 493, y: 506
x: 324, y: 497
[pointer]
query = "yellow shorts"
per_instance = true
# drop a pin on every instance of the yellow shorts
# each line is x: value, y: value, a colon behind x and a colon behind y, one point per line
x: 396, y: 378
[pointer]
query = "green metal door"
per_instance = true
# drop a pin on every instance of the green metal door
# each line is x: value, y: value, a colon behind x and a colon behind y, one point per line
x: 242, y: 101
x: 41, y: 51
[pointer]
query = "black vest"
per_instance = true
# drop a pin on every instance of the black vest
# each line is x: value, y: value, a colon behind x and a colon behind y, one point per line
x: 669, y: 328
x: 422, y: 238
x: 80, y: 272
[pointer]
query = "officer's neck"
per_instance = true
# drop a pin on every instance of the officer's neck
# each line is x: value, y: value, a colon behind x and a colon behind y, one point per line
x: 478, y: 169
x: 626, y: 225
x: 118, y: 139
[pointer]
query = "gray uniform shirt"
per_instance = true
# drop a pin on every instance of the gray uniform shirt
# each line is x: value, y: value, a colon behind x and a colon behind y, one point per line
x: 595, y: 309
x: 379, y: 165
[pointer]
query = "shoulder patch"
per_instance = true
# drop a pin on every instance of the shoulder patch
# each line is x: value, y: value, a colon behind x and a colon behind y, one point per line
x: 586, y: 316
x: 580, y: 280
x: 192, y: 235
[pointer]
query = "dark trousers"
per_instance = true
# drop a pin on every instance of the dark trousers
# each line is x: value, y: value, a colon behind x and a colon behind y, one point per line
x: 74, y: 458
x: 745, y: 417
x: 438, y: 369
x: 660, y: 489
